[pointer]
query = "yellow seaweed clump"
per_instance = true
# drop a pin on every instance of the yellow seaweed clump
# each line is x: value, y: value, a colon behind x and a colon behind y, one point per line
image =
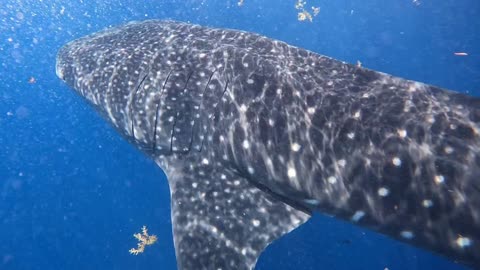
x: 303, y: 14
x: 144, y: 239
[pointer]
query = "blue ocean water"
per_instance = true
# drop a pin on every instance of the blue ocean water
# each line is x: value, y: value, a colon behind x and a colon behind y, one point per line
x: 72, y: 191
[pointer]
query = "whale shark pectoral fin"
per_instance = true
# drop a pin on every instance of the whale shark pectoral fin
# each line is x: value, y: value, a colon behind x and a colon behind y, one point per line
x: 222, y: 221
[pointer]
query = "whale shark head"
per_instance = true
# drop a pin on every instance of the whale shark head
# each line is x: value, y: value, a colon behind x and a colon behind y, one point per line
x: 141, y: 89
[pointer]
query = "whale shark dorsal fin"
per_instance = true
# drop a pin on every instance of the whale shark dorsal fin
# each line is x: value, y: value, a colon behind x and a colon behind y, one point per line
x: 224, y: 224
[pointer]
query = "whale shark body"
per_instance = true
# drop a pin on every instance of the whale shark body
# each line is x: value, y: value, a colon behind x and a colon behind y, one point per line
x: 255, y: 135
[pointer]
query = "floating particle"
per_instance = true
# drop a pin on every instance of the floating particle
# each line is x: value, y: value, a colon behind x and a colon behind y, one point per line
x: 300, y: 4
x: 460, y: 53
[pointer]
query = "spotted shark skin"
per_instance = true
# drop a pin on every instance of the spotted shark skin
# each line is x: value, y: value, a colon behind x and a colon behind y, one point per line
x: 255, y: 135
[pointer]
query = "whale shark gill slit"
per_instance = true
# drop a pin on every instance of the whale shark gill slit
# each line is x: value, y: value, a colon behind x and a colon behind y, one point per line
x: 203, y: 121
x: 186, y: 149
x: 172, y: 136
x: 133, y: 101
x: 157, y: 108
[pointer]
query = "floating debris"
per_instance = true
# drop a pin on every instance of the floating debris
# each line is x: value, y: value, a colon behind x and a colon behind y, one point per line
x: 32, y: 80
x: 144, y: 239
x: 303, y: 14
x: 460, y: 53
x: 240, y: 3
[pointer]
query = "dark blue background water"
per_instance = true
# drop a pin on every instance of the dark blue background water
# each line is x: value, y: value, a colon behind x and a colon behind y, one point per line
x: 72, y: 191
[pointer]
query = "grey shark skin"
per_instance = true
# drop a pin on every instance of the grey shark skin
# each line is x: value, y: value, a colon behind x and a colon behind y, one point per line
x: 255, y: 134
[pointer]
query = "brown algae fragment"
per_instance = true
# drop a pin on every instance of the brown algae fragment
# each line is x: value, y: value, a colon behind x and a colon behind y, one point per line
x: 303, y: 14
x: 144, y: 239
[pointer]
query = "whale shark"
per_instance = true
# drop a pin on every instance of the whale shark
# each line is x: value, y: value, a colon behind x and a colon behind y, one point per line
x: 255, y: 135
